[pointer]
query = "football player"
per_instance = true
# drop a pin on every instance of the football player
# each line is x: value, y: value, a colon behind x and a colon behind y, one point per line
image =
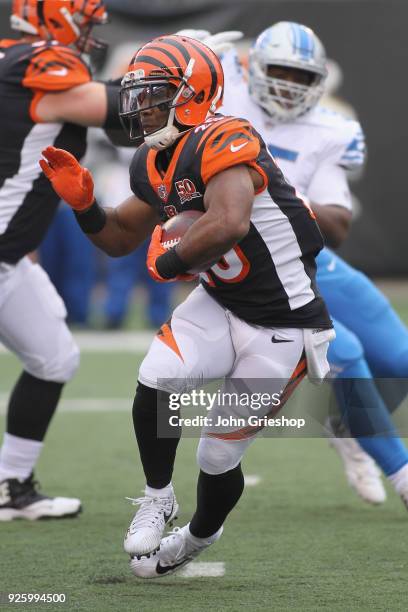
x: 315, y: 148
x: 257, y: 312
x: 48, y: 96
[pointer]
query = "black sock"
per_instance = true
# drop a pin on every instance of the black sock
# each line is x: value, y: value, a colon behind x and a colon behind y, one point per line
x: 32, y: 404
x: 156, y: 453
x: 216, y: 497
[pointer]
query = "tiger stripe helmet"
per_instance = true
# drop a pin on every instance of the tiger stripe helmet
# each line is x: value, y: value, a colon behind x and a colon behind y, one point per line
x: 66, y: 21
x: 176, y: 74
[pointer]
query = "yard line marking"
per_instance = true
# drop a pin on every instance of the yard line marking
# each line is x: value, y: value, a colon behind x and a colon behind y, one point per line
x: 203, y: 569
x: 251, y: 480
x: 110, y: 341
x: 112, y: 404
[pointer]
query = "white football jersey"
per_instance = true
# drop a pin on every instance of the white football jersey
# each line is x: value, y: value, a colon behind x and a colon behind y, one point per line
x: 314, y: 152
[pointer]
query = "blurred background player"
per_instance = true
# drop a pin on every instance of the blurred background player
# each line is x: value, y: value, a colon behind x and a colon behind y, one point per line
x: 123, y: 274
x: 316, y: 149
x: 45, y: 88
x: 71, y: 264
x: 76, y: 267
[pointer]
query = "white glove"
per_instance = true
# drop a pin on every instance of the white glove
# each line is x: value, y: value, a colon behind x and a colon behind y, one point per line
x: 219, y: 43
x: 196, y: 34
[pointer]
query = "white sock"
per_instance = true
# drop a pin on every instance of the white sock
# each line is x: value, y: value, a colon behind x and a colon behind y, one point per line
x: 203, y: 541
x: 400, y: 478
x: 165, y: 492
x: 18, y: 457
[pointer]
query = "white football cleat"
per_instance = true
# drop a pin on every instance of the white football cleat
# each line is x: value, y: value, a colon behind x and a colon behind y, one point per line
x: 362, y: 472
x: 176, y: 550
x: 20, y: 499
x: 147, y: 526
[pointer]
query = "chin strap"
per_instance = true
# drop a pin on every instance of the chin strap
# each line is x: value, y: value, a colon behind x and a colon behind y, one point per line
x: 162, y: 139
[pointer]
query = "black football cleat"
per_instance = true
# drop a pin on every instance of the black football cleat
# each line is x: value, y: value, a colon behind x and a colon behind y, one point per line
x: 20, y: 499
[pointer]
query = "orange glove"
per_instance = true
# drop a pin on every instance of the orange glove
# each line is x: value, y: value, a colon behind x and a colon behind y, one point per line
x: 70, y: 180
x: 155, y: 250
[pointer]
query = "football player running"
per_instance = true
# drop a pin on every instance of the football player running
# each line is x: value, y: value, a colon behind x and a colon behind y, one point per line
x: 257, y: 313
x: 315, y: 148
x: 45, y: 88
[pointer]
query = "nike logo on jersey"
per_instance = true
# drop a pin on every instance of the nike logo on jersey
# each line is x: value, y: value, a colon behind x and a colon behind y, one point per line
x: 331, y: 266
x: 61, y: 72
x: 168, y: 568
x: 276, y: 340
x: 234, y: 148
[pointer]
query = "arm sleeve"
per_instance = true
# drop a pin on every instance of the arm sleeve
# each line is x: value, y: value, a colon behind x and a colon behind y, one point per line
x: 329, y: 185
x: 344, y: 151
x: 236, y: 88
x: 345, y: 145
x: 354, y: 152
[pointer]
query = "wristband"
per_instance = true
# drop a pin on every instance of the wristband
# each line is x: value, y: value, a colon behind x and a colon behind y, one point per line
x: 170, y: 264
x: 93, y: 220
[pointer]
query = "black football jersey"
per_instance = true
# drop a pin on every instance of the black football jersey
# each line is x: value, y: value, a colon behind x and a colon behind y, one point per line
x: 27, y: 199
x: 268, y: 278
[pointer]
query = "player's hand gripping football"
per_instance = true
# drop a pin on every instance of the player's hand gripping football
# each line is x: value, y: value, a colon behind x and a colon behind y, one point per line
x: 70, y: 180
x: 155, y: 250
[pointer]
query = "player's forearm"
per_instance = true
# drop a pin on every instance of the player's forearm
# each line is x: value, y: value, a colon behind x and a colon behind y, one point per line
x: 209, y: 239
x: 112, y: 238
x: 334, y: 223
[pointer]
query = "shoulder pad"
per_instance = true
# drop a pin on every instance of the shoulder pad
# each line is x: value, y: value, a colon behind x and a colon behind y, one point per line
x: 55, y: 67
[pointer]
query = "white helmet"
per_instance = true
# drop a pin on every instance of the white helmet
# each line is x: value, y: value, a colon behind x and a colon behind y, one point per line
x: 286, y: 45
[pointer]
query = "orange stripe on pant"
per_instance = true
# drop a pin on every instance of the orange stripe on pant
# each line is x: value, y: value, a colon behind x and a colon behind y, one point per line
x: 165, y: 334
x: 298, y: 374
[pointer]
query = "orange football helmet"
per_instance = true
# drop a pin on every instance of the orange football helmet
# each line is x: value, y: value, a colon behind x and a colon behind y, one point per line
x: 66, y: 21
x: 172, y: 84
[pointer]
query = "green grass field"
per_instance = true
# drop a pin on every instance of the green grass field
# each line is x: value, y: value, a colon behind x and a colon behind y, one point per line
x: 300, y: 540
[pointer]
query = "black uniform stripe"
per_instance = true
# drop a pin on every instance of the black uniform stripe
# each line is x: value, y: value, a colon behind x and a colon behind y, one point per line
x: 228, y: 140
x: 170, y: 56
x: 212, y: 70
x: 178, y: 46
x: 40, y: 12
x: 153, y: 61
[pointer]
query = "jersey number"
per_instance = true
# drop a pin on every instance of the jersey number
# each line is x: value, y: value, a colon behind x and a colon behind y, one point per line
x: 233, y: 267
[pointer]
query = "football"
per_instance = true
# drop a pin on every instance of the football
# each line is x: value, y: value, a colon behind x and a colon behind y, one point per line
x: 175, y: 228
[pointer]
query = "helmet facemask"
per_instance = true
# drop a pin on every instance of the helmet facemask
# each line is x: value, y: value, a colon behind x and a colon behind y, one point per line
x: 86, y: 42
x: 281, y: 48
x: 284, y: 100
x: 147, y: 108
